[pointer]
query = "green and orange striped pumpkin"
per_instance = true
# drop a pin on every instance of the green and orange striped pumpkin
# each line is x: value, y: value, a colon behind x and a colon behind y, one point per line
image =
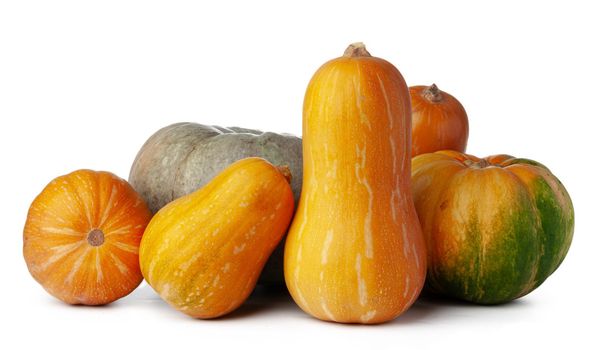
x: 495, y: 228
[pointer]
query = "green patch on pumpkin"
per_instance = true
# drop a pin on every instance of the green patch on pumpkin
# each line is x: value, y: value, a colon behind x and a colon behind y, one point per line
x: 557, y: 229
x: 499, y: 273
x: 524, y: 161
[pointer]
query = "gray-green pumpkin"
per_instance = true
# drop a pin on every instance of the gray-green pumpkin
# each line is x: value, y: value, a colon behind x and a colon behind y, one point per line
x: 182, y: 157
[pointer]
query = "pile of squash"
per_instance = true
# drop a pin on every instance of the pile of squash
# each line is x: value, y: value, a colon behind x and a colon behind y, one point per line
x: 386, y: 202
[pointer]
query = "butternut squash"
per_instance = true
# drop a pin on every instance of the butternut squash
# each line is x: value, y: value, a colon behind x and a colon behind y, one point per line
x: 203, y: 252
x: 355, y: 252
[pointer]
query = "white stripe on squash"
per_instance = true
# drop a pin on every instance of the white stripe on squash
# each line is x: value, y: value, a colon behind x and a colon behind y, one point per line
x: 327, y: 242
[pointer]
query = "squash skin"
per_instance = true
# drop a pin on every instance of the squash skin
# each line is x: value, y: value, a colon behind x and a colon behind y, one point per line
x: 203, y: 252
x: 62, y: 254
x: 439, y: 121
x: 181, y: 158
x: 355, y: 252
x: 494, y: 231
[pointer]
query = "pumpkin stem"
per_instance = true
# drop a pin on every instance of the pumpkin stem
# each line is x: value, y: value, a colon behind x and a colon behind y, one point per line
x: 356, y: 50
x: 286, y: 172
x: 95, y: 237
x: 432, y: 93
x: 482, y: 163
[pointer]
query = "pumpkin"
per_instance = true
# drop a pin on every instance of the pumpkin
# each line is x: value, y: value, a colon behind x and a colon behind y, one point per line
x: 81, y: 237
x: 183, y: 157
x: 203, y: 252
x: 495, y: 227
x: 439, y: 121
x: 355, y: 252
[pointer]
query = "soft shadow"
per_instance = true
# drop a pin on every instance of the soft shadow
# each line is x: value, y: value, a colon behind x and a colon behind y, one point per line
x: 440, y: 301
x: 59, y: 303
x: 430, y: 307
x: 427, y: 309
x: 417, y: 313
x: 263, y: 299
x: 143, y: 293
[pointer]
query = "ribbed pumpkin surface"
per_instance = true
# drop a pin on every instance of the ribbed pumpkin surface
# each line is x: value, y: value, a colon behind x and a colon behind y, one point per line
x: 495, y: 228
x: 82, y: 235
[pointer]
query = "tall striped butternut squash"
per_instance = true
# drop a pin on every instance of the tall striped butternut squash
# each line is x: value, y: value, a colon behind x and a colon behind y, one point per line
x: 355, y: 252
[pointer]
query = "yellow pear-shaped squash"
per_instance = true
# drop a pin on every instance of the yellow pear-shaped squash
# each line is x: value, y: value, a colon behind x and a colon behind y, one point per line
x: 203, y: 252
x: 355, y: 251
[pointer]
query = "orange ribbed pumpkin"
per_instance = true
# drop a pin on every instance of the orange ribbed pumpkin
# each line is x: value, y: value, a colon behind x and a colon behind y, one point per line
x: 355, y: 252
x: 439, y: 121
x: 496, y: 228
x: 82, y: 235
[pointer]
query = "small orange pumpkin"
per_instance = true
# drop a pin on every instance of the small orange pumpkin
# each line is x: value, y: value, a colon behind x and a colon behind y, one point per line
x: 439, y: 121
x: 81, y: 238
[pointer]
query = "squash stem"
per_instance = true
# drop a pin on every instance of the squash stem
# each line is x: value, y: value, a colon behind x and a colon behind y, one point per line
x: 95, y: 237
x: 356, y: 50
x: 432, y: 93
x: 482, y: 163
x: 286, y: 172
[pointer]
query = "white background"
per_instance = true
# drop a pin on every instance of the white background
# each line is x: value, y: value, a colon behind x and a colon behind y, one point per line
x: 83, y: 84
